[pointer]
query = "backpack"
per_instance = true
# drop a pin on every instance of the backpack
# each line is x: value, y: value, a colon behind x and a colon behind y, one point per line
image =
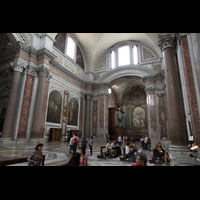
x: 75, y: 140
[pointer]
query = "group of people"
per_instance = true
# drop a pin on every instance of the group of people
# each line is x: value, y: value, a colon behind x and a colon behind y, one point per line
x: 80, y: 159
x: 113, y: 149
x: 145, y: 143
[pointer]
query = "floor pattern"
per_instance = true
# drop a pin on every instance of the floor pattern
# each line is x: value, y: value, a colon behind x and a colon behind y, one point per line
x: 58, y: 152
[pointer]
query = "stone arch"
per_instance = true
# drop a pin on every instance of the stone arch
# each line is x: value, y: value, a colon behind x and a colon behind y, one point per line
x: 136, y: 70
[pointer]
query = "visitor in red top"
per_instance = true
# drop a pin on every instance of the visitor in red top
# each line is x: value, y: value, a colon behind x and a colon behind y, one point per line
x: 141, y: 160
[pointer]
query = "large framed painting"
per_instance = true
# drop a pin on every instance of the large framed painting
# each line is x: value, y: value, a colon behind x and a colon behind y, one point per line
x: 139, y: 116
x: 73, y: 112
x: 54, y: 107
x: 59, y: 42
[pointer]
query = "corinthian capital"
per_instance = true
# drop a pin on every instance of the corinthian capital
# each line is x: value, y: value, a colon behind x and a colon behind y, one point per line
x: 18, y: 67
x: 166, y: 40
x: 43, y: 71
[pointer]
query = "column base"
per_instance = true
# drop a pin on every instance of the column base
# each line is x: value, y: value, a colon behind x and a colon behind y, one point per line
x: 37, y: 140
x: 21, y: 140
x: 6, y: 140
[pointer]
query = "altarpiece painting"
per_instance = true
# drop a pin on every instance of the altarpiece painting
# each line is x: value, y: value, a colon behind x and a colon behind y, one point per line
x: 73, y: 112
x: 54, y: 107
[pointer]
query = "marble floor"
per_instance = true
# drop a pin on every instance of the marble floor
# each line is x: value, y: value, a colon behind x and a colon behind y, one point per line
x: 58, y: 152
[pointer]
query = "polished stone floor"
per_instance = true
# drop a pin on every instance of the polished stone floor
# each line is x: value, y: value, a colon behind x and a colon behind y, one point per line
x: 58, y: 152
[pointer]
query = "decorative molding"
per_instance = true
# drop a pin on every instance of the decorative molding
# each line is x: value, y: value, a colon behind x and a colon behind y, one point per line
x: 159, y: 75
x: 167, y: 40
x: 130, y: 69
x: 147, y: 54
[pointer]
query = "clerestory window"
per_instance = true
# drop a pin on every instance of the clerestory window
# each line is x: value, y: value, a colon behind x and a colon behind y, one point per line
x: 125, y: 54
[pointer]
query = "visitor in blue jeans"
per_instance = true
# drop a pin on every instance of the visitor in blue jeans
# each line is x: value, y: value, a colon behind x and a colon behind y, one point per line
x: 127, y: 149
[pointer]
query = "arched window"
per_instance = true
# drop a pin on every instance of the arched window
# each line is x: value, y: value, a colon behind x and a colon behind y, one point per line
x: 123, y: 54
x: 69, y: 45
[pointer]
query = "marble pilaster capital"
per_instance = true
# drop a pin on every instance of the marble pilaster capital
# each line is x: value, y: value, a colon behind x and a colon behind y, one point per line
x: 160, y: 88
x: 18, y: 67
x: 88, y: 95
x: 179, y: 35
x: 43, y: 71
x: 167, y: 40
x: 31, y: 70
x: 150, y: 90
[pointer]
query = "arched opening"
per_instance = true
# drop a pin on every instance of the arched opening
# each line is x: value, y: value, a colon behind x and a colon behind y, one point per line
x: 128, y: 108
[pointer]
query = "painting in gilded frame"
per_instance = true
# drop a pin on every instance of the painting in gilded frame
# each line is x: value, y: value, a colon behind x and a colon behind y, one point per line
x: 54, y: 107
x: 73, y: 112
x: 139, y: 117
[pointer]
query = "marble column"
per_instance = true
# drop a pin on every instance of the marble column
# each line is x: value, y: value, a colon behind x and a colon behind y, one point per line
x: 175, y: 112
x: 26, y: 102
x: 152, y: 117
x: 65, y: 112
x: 12, y: 102
x: 196, y: 49
x: 87, y: 115
x: 190, y: 86
x: 37, y: 116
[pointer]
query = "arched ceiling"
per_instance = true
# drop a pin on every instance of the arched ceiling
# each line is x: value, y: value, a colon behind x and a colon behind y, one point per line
x: 95, y: 44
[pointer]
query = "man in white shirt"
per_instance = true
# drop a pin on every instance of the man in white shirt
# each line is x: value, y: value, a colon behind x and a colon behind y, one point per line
x: 119, y: 140
x: 127, y: 151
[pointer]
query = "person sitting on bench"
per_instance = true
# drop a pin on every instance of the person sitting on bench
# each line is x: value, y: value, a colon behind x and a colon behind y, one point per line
x: 110, y: 150
x: 131, y: 153
x: 116, y: 147
x: 161, y: 152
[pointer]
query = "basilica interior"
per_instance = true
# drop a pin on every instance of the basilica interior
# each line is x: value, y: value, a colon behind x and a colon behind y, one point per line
x: 55, y: 85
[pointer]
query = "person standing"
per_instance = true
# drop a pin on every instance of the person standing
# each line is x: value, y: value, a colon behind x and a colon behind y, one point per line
x: 120, y: 140
x: 146, y: 142
x: 90, y: 144
x: 71, y: 144
x: 75, y: 142
x: 142, y: 142
x: 36, y: 157
x: 84, y: 145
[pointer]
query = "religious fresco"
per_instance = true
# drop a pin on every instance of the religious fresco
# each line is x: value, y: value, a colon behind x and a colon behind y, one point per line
x: 79, y: 58
x: 73, y: 112
x: 136, y: 107
x: 54, y: 107
x: 60, y: 40
x: 138, y: 117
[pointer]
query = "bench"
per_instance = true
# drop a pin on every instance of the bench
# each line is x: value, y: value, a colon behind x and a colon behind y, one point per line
x: 17, y: 160
x: 154, y: 157
x: 104, y: 154
x: 125, y: 156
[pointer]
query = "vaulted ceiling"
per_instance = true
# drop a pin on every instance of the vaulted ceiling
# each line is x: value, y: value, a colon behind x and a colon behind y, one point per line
x: 95, y: 44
